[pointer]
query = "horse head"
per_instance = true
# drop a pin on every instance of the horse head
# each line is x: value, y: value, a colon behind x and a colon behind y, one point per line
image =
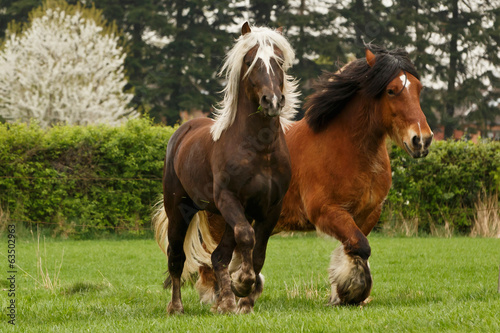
x: 263, y: 77
x: 402, y: 114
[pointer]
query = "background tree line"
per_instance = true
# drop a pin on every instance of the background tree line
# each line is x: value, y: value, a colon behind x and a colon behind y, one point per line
x: 175, y: 47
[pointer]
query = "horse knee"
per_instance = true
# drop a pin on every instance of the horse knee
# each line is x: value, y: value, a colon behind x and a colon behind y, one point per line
x: 244, y: 236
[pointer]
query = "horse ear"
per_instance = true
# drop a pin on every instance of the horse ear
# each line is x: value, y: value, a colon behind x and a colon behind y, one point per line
x: 370, y: 57
x: 245, y: 29
x: 280, y: 30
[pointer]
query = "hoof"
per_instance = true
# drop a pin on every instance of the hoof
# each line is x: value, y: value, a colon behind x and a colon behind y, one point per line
x: 242, y: 290
x: 225, y: 307
x: 355, y: 288
x: 336, y: 301
x: 244, y: 307
x: 350, y: 278
x: 173, y: 309
x: 242, y: 284
x: 334, y: 298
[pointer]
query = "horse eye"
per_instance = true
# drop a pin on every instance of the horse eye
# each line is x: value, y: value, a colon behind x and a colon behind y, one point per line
x: 390, y: 92
x: 248, y: 63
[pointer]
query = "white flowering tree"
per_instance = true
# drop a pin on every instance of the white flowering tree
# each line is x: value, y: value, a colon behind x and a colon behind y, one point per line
x: 64, y: 66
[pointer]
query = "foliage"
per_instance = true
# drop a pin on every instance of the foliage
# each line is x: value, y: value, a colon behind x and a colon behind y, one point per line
x: 175, y: 50
x: 462, y: 37
x: 76, y: 177
x: 79, y: 178
x: 175, y: 47
x: 444, y: 187
x: 65, y: 65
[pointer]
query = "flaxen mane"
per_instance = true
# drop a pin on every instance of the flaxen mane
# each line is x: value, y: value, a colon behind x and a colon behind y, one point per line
x: 335, y: 90
x: 266, y: 38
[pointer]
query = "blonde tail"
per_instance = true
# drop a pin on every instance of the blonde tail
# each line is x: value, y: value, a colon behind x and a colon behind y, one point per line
x: 160, y: 225
x: 196, y: 254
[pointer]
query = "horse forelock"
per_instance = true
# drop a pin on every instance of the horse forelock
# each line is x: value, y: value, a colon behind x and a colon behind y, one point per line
x: 388, y: 65
x: 266, y: 39
x: 334, y: 91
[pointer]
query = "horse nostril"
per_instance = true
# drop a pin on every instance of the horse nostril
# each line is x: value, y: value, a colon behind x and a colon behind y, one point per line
x: 427, y: 142
x: 282, y: 100
x: 264, y: 101
x: 416, y: 142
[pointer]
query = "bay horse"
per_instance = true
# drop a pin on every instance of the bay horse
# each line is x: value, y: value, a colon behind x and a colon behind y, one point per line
x: 341, y: 172
x: 237, y: 166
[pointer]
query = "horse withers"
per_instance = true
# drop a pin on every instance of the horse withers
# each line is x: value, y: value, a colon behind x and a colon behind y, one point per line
x: 341, y: 173
x: 237, y: 166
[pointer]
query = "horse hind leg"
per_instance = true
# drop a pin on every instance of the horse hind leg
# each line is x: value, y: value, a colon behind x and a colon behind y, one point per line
x: 180, y: 216
x: 206, y: 285
x: 350, y: 278
x: 176, y: 258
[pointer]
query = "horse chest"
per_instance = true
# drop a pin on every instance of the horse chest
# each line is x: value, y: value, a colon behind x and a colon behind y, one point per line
x: 372, y: 191
x: 265, y: 186
x: 264, y: 183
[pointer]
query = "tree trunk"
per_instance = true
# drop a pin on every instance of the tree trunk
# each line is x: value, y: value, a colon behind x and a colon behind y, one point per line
x: 360, y: 25
x: 452, y: 73
x: 300, y: 45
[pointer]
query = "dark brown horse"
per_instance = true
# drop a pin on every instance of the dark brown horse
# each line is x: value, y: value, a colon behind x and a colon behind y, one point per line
x: 341, y: 173
x: 237, y: 166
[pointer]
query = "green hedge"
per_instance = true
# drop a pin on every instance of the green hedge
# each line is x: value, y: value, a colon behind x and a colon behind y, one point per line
x: 78, y: 179
x: 100, y: 178
x: 444, y: 186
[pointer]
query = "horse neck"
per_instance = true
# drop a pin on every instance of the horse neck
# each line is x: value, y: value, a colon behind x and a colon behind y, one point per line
x: 363, y: 126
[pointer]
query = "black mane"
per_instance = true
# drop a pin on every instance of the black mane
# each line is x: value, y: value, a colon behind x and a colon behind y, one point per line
x: 335, y: 90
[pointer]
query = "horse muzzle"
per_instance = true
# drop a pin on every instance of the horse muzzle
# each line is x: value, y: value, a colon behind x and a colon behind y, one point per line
x: 272, y: 105
x: 418, y: 146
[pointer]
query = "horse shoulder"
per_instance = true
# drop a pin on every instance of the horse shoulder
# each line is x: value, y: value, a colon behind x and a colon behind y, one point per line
x: 375, y: 183
x: 190, y: 155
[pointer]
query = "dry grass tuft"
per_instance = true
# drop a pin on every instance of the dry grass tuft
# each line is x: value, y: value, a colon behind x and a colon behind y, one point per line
x: 307, y: 290
x: 45, y: 278
x: 445, y: 230
x: 487, y: 219
x: 398, y: 225
x: 4, y: 219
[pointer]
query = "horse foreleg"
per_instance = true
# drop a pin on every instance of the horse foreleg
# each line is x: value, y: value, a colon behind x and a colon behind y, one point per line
x: 243, y: 280
x: 263, y: 230
x: 372, y: 219
x: 349, y: 271
x: 221, y: 257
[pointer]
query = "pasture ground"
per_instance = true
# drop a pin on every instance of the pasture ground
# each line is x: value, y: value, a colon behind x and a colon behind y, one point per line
x: 420, y: 284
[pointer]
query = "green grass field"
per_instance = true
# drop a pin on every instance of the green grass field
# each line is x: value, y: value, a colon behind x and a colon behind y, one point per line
x: 420, y: 284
